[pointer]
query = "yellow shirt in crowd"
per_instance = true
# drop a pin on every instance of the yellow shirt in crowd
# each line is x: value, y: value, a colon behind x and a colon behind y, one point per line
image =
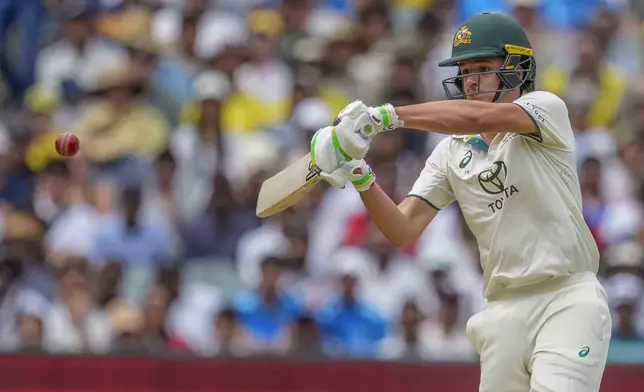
x: 41, y: 152
x: 140, y: 130
x: 604, y: 111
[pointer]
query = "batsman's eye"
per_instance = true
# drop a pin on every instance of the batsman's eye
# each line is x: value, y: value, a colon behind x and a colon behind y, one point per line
x: 336, y: 122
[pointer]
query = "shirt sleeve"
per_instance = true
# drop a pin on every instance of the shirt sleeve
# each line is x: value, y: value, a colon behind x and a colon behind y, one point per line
x: 433, y: 185
x: 550, y: 115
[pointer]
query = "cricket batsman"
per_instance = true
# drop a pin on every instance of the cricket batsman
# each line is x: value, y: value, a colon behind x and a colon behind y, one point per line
x: 510, y: 164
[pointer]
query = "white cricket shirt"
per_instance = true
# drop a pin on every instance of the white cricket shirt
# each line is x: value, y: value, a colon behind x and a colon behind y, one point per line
x: 520, y: 197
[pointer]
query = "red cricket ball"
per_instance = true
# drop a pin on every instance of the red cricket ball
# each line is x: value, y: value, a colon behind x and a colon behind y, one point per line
x: 67, y: 144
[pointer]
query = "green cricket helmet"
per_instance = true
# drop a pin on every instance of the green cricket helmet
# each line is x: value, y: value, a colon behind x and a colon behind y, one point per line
x: 492, y: 35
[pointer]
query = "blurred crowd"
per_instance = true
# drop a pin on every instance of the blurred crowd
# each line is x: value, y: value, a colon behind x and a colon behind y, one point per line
x: 147, y: 240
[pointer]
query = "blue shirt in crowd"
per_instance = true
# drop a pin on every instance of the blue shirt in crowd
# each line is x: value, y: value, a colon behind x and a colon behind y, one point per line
x: 351, y: 329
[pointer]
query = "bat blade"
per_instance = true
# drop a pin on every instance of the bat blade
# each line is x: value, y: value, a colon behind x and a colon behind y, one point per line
x: 287, y: 187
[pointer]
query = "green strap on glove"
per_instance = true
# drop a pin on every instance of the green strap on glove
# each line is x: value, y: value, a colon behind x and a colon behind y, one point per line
x: 366, y: 181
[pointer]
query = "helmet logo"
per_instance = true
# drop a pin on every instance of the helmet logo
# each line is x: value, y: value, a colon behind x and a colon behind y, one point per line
x: 463, y: 36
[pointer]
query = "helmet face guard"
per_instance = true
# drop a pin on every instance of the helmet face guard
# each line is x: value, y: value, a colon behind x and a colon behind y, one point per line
x: 517, y: 72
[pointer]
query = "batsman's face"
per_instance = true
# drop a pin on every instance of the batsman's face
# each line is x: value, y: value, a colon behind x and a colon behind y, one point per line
x: 479, y: 76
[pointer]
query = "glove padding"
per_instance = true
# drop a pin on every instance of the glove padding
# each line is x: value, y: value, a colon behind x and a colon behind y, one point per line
x: 357, y: 172
x: 325, y: 151
x: 358, y: 123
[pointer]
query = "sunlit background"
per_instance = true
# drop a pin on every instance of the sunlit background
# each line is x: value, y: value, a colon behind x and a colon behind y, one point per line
x: 146, y: 242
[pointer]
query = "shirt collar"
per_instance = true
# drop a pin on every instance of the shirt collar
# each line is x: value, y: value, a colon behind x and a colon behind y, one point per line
x: 477, y: 141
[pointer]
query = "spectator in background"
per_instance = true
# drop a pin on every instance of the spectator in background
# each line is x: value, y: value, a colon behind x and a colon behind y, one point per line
x: 26, y: 16
x: 216, y: 27
x: 444, y: 336
x: 155, y: 334
x: 131, y: 238
x: 217, y: 231
x: 127, y: 323
x: 594, y: 206
x: 309, y: 113
x: 295, y: 16
x: 632, y: 120
x: 74, y: 64
x: 131, y: 16
x: 41, y: 105
x: 339, y: 86
x: 30, y: 333
x: 264, y: 83
x: 50, y: 196
x: 528, y: 14
x: 22, y: 240
x: 73, y: 232
x: 350, y: 326
x: 191, y: 303
x: 293, y: 262
x: 610, y: 220
x: 121, y: 133
x: 448, y: 271
x: 267, y: 313
x: 413, y: 144
x: 597, y: 142
x: 371, y: 65
x: 144, y: 61
x: 435, y: 33
x: 303, y: 279
x: 626, y: 318
x: 227, y: 331
x: 306, y: 339
x: 617, y: 184
x: 177, y: 69
x: 405, y: 342
x: 16, y: 298
x: 284, y: 236
x: 624, y: 283
x: 267, y: 240
x: 227, y: 58
x: 199, y: 144
x: 75, y: 324
x: 632, y: 156
x: 107, y: 282
x: 160, y: 201
x: 616, y: 32
x: 404, y: 73
x: 18, y: 183
x: 394, y: 278
x: 594, y: 73
x: 406, y: 14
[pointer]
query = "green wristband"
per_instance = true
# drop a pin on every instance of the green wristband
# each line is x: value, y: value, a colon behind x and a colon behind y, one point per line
x: 365, y: 182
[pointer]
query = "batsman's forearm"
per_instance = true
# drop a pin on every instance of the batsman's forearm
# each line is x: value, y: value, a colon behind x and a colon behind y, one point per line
x: 386, y: 215
x: 456, y: 117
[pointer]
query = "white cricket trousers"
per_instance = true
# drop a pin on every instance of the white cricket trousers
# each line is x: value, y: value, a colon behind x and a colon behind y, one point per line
x: 547, y: 337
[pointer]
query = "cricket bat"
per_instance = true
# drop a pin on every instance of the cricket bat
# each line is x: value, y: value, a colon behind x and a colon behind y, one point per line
x: 287, y: 187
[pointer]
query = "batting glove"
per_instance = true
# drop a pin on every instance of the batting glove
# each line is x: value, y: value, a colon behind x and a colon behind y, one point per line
x: 326, y: 152
x: 357, y: 172
x: 358, y: 123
